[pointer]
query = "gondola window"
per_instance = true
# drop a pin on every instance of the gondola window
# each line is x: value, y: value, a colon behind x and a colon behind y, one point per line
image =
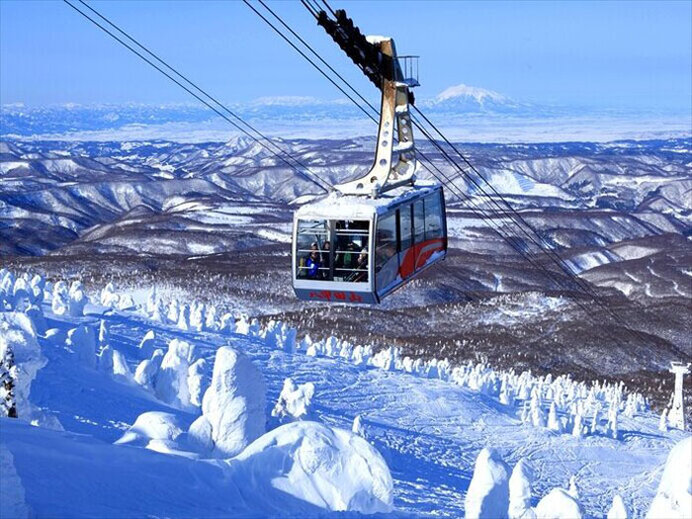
x: 387, y: 261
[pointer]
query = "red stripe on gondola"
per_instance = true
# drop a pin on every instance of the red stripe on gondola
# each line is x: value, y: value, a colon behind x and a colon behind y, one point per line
x: 416, y: 256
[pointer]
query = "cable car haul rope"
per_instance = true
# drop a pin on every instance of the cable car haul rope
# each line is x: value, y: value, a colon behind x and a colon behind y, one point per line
x: 373, y: 234
x: 354, y: 43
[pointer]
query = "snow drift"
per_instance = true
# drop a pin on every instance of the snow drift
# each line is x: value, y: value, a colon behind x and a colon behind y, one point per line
x: 12, y: 495
x: 153, y: 430
x: 331, y: 469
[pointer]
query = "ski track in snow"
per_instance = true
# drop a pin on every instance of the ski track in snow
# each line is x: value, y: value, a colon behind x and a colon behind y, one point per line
x: 429, y: 431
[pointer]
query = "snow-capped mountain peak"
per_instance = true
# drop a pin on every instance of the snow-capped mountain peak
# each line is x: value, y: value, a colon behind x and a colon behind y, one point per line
x: 465, y: 98
x: 238, y: 142
x: 480, y: 95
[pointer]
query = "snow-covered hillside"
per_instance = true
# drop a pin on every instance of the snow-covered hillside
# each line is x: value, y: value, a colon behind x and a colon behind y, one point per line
x: 134, y: 406
x: 157, y: 197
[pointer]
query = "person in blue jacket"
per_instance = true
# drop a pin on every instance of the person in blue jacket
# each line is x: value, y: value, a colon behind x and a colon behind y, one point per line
x: 313, y: 262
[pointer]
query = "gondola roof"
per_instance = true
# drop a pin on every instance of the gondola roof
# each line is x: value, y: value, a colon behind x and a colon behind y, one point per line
x: 353, y: 207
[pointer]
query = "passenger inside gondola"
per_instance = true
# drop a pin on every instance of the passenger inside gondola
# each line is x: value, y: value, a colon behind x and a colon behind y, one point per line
x: 349, y: 257
x: 325, y: 261
x: 360, y: 268
x: 312, y: 262
x: 351, y: 237
x: 330, y: 251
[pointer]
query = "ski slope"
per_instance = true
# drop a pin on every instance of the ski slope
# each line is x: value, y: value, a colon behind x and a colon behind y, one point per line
x: 429, y: 431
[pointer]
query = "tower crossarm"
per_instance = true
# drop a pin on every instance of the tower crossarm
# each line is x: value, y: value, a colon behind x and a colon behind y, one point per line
x: 394, y: 165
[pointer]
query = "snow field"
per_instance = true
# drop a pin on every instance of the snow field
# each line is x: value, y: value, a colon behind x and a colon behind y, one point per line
x: 325, y: 468
x: 492, y: 494
x: 332, y: 367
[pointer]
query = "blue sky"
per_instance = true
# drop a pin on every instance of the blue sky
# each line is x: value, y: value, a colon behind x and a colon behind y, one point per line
x: 634, y: 55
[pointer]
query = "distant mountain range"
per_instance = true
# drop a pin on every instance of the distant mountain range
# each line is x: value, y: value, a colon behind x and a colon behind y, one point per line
x: 468, y: 113
x: 113, y: 196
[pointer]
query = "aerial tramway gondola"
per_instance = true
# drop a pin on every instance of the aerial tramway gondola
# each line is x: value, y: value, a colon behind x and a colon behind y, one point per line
x: 372, y: 235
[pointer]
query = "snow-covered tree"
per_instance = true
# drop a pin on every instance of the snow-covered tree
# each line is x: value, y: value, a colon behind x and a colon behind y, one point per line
x: 577, y: 429
x: 663, y: 421
x: 173, y: 311
x: 147, y: 344
x: 8, y: 380
x: 594, y: 421
x: 573, y: 487
x: 112, y: 362
x: 120, y: 368
x: 537, y: 414
x: 554, y: 423
x: 159, y: 313
x: 254, y: 329
x: 197, y: 316
x: 294, y: 401
x: 172, y: 380
x: 198, y: 381
x: 210, y: 319
x: 22, y: 297
x: 673, y: 498
x: 417, y: 364
x: 630, y: 406
x: 125, y: 302
x: 305, y: 343
x: 406, y: 363
x: 618, y: 510
x: 286, y: 341
x: 313, y: 465
x: 525, y: 412
x: 506, y: 394
x: 227, y: 323
x: 331, y: 345
x: 184, y: 318
x: 346, y: 350
x: 558, y: 504
x: 108, y: 296
x: 6, y: 289
x: 60, y: 298
x: 357, y: 427
x: 242, y: 326
x: 488, y: 493
x: 82, y: 341
x: 315, y: 349
x: 520, y: 490
x: 104, y: 334
x: 279, y: 335
x: 105, y: 360
x: 613, y: 422
x: 152, y: 302
x: 77, y: 299
x: 388, y: 359
x: 232, y: 408
x: 147, y: 371
x: 361, y: 356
